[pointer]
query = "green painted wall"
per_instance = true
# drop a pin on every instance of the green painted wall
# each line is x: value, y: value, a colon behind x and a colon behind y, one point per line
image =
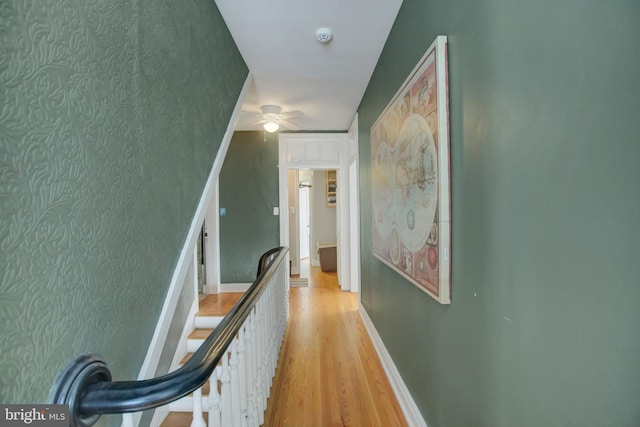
x: 249, y: 192
x: 111, y: 115
x: 544, y: 325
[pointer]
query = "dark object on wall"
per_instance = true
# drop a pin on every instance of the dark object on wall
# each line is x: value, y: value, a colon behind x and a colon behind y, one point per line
x: 332, y: 185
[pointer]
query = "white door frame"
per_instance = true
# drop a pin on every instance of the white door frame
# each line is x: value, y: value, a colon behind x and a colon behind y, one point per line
x: 319, y: 151
x: 354, y: 207
x: 294, y: 222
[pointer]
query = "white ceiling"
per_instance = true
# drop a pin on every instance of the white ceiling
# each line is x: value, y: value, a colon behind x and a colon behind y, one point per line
x: 293, y: 70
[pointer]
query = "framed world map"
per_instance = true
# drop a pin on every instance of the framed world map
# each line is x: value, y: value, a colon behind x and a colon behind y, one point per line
x: 410, y: 177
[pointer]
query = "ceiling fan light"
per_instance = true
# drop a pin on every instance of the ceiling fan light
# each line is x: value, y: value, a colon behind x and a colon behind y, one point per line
x: 271, y: 127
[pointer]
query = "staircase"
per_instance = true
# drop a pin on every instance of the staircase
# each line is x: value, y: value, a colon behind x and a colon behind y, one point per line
x: 212, y: 310
x: 247, y: 335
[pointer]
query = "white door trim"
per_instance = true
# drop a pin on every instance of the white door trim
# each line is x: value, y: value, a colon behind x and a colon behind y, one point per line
x: 354, y: 206
x: 315, y: 151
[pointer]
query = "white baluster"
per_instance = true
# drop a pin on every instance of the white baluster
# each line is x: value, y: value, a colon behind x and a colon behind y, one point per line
x: 214, y: 400
x: 261, y: 403
x: 242, y: 362
x: 198, y: 419
x: 127, y: 420
x: 268, y: 333
x: 251, y: 418
x: 270, y: 345
x: 234, y: 370
x: 286, y: 295
x: 225, y: 391
x: 255, y: 365
x: 257, y: 339
x: 275, y: 341
x: 258, y: 322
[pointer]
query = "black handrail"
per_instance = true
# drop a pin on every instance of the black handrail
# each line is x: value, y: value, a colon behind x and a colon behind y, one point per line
x: 266, y: 258
x: 86, y: 384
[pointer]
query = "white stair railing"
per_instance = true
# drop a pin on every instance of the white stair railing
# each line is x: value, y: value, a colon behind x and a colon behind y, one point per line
x: 238, y: 359
x: 246, y: 369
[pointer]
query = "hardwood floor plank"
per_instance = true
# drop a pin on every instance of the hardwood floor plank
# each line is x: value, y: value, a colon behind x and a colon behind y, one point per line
x: 328, y: 372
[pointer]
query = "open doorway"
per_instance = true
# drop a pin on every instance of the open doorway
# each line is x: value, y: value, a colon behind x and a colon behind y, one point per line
x: 201, y: 261
x: 305, y: 179
x: 313, y: 237
x: 319, y: 152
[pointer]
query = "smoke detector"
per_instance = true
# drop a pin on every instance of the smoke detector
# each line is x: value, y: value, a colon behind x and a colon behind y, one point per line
x: 324, y: 35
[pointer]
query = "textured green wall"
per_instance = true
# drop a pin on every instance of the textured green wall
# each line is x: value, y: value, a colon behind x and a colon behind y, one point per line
x: 249, y: 192
x: 111, y: 115
x: 544, y: 325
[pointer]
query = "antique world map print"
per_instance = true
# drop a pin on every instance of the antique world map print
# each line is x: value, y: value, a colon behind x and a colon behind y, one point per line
x: 410, y: 178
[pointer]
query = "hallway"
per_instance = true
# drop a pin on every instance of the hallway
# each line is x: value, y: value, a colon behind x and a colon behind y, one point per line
x: 328, y: 371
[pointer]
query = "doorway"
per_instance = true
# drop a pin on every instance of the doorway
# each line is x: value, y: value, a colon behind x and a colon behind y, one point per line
x: 318, y: 152
x: 201, y: 260
x: 304, y: 208
x: 315, y: 215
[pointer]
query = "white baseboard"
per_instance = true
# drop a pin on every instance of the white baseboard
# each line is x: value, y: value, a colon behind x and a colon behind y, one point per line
x: 234, y: 287
x: 405, y: 400
x: 211, y: 289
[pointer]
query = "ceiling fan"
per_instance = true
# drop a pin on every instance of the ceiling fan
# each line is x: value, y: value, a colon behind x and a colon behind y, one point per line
x: 272, y: 118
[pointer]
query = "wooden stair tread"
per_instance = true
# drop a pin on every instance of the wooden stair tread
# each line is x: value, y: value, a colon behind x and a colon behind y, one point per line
x: 187, y: 357
x: 184, y: 359
x: 180, y: 419
x: 218, y: 304
x: 205, y: 386
x: 200, y: 334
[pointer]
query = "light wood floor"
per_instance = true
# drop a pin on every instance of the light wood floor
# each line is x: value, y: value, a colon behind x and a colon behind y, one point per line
x: 328, y: 371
